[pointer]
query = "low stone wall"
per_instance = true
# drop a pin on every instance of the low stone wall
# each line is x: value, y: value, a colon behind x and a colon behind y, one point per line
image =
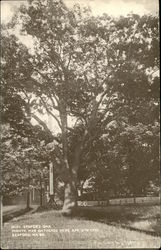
x: 92, y: 203
x: 121, y: 201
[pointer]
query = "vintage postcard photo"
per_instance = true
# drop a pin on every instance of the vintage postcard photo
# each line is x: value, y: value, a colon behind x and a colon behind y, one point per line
x: 80, y: 125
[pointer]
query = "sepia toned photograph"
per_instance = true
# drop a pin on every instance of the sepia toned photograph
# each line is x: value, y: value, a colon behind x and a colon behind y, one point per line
x: 80, y: 124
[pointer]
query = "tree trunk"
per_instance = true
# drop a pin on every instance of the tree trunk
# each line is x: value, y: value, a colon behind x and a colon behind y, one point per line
x: 41, y: 191
x: 70, y: 172
x: 28, y: 200
x: 71, y: 192
x: 70, y: 199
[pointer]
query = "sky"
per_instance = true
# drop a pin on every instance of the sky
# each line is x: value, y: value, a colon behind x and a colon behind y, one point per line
x: 111, y: 7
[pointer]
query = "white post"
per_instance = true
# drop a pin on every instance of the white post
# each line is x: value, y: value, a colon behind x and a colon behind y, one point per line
x: 51, y: 189
x: 47, y: 194
x: 33, y: 193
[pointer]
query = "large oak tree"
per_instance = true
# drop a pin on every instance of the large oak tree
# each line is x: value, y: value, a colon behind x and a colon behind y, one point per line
x: 85, y: 67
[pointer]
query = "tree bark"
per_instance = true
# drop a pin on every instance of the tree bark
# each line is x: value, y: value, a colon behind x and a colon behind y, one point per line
x: 41, y: 191
x: 70, y: 199
x: 70, y: 171
x: 71, y: 193
x: 28, y: 200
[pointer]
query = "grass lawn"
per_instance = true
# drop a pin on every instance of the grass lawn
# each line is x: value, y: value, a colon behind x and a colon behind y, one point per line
x: 143, y: 218
x: 87, y: 231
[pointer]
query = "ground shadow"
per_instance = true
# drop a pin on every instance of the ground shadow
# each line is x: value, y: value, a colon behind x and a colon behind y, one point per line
x: 10, y: 216
x: 48, y: 207
x: 124, y: 218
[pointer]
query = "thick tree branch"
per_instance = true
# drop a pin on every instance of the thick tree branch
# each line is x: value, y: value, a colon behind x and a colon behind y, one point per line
x: 45, y: 127
x: 70, y: 56
x: 43, y: 124
x: 51, y: 113
x: 53, y: 101
x: 48, y: 79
